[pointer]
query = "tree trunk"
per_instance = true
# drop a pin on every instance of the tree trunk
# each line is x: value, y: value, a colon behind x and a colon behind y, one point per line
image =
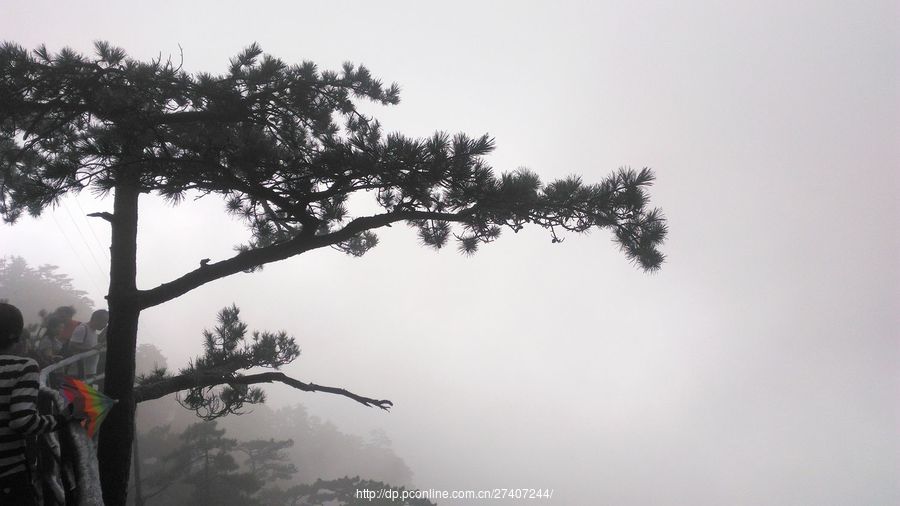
x: 117, y: 433
x: 138, y: 486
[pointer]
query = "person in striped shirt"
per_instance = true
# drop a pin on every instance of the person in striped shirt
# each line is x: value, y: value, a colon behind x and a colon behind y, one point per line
x: 19, y: 416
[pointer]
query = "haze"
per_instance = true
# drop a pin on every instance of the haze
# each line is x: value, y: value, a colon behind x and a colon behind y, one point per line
x: 759, y: 366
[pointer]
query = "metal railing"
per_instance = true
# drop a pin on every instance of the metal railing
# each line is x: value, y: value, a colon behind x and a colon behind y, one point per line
x: 68, y: 361
x: 79, y: 463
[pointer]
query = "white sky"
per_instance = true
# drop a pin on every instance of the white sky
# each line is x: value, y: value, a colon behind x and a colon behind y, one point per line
x: 760, y: 366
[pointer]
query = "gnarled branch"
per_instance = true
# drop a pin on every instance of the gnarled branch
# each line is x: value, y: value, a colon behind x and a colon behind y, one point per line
x: 163, y: 387
x: 253, y: 258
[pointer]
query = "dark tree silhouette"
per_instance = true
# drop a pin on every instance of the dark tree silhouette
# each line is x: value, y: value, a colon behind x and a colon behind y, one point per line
x: 205, y: 462
x: 217, y: 383
x: 36, y: 289
x: 149, y: 358
x: 285, y: 147
x: 202, y: 466
x: 266, y: 459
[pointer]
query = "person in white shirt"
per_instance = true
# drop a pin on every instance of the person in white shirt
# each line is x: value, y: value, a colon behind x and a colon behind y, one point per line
x: 84, y: 338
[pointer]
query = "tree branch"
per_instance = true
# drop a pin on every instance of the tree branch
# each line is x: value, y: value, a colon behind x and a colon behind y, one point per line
x: 106, y: 216
x: 300, y: 244
x: 174, y: 118
x: 181, y: 382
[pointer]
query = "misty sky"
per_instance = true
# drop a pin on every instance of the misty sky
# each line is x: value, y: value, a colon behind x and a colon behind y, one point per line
x: 761, y: 365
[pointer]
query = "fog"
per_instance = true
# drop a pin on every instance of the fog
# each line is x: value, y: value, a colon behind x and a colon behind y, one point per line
x: 758, y: 366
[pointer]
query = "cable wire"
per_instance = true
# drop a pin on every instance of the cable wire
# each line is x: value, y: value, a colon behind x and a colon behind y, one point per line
x: 105, y: 250
x: 77, y: 256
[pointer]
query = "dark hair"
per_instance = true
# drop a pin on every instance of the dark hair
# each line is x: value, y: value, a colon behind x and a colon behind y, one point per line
x: 100, y: 313
x: 11, y: 324
x: 53, y: 321
x: 66, y: 312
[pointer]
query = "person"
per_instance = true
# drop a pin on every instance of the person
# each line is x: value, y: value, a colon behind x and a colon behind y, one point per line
x: 50, y: 348
x: 19, y: 416
x: 66, y: 314
x: 84, y: 338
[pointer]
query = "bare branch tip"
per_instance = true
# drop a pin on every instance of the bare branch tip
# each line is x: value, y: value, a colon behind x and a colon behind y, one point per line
x: 103, y: 215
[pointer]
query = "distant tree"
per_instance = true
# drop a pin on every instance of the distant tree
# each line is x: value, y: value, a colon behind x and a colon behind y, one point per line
x: 156, y: 480
x: 149, y: 358
x: 200, y: 467
x: 321, y: 449
x: 319, y: 452
x: 205, y: 462
x: 150, y: 362
x: 36, y: 290
x: 266, y: 137
x: 267, y: 460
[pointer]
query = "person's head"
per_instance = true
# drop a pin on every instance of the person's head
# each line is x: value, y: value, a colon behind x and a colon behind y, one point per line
x: 11, y: 325
x: 64, y: 313
x: 55, y: 326
x: 99, y: 319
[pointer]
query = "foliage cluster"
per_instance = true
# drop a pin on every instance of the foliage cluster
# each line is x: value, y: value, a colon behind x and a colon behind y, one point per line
x: 286, y: 147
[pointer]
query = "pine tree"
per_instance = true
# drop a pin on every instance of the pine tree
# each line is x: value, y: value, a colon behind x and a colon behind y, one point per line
x: 204, y: 461
x: 267, y: 460
x: 285, y: 147
x: 217, y: 383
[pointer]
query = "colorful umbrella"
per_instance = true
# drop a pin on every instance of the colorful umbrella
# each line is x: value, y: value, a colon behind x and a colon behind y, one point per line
x: 88, y: 401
